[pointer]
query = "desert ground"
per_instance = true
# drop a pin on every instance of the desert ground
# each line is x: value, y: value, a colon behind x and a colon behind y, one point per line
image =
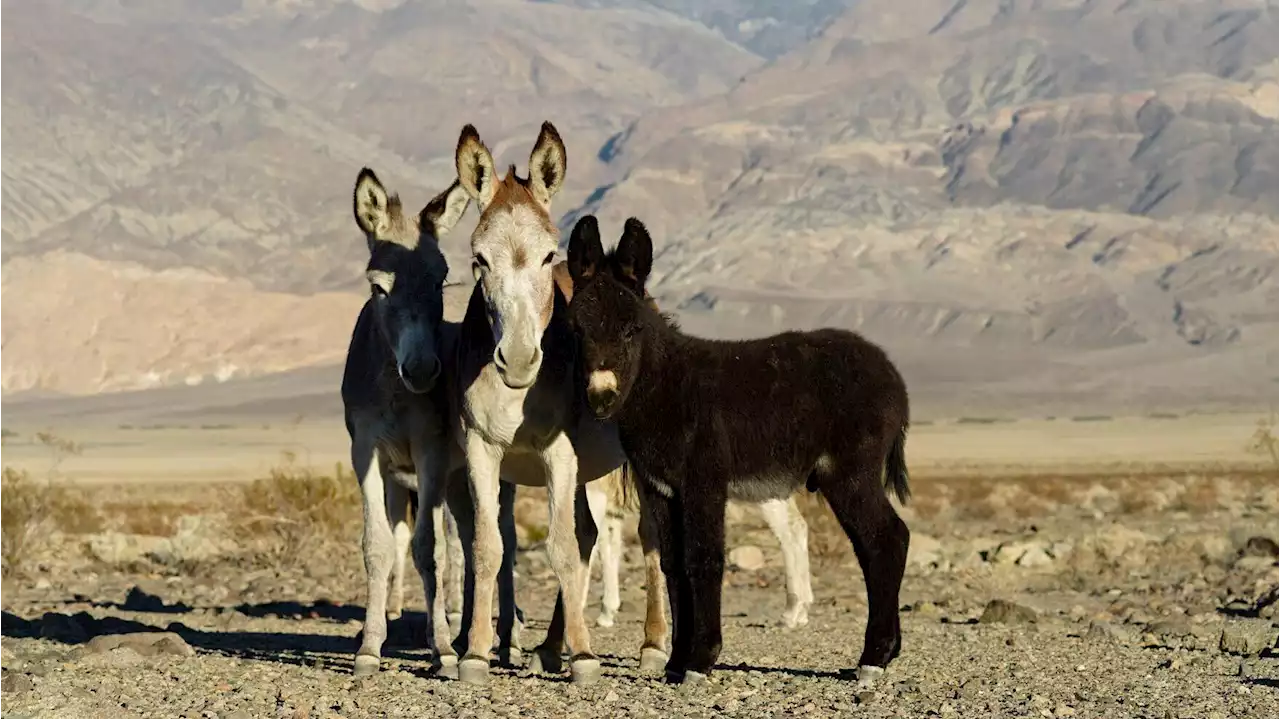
x: 1080, y: 566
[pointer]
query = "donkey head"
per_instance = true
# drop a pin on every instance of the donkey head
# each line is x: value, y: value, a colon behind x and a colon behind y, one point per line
x: 609, y: 309
x: 406, y: 273
x: 513, y: 248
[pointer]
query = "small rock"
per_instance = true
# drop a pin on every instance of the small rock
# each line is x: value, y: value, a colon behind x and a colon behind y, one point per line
x: 1035, y: 557
x: 1247, y: 636
x: 926, y: 609
x: 747, y: 557
x: 612, y: 696
x: 1170, y: 628
x: 999, y: 611
x: 1258, y: 669
x: 43, y: 583
x: 1260, y: 547
x: 239, y: 714
x: 1102, y: 632
x: 15, y: 683
x: 923, y: 550
x: 1064, y: 711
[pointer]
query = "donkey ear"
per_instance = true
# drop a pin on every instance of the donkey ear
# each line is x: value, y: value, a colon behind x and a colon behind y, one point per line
x: 547, y: 165
x: 444, y: 210
x: 475, y: 167
x: 371, y: 204
x: 633, y: 258
x: 585, y: 251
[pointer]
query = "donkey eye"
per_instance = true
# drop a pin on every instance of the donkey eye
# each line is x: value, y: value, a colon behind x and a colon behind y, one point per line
x: 551, y: 256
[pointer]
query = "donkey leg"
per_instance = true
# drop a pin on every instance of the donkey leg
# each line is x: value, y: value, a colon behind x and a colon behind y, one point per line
x: 567, y: 555
x: 547, y: 656
x: 402, y: 533
x: 483, y: 462
x: 378, y: 545
x: 880, y: 541
x: 653, y: 653
x: 664, y: 520
x: 508, y: 640
x: 702, y: 515
x: 455, y: 570
x: 459, y: 504
x: 429, y: 556
x: 608, y: 546
x: 788, y: 525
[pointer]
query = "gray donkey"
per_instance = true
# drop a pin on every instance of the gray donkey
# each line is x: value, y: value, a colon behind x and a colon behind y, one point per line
x: 396, y: 409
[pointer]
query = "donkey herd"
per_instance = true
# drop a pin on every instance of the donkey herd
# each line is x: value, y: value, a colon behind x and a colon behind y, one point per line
x: 566, y: 375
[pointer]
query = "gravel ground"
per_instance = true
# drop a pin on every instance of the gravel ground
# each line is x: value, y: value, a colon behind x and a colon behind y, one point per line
x: 1166, y: 613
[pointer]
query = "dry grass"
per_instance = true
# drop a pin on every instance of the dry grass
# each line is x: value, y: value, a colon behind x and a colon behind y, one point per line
x: 32, y: 509
x: 294, y: 511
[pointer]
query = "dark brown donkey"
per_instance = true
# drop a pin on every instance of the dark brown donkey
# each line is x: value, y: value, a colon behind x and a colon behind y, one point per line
x: 704, y: 421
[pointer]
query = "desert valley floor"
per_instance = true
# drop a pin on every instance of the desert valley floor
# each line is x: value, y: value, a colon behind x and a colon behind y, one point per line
x: 1076, y: 566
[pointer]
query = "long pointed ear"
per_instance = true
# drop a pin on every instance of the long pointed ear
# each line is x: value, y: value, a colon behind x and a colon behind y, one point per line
x: 585, y: 251
x: 475, y: 167
x: 444, y: 211
x: 633, y: 259
x: 547, y: 165
x: 371, y: 204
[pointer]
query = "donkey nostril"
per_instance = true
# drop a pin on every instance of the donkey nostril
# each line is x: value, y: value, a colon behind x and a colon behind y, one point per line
x: 502, y: 359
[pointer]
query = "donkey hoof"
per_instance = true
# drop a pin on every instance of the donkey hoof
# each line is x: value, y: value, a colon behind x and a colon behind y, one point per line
x: 366, y: 665
x: 448, y: 667
x: 473, y: 670
x: 795, y: 620
x: 604, y: 620
x: 545, y: 661
x: 653, y: 660
x: 868, y: 676
x: 585, y: 670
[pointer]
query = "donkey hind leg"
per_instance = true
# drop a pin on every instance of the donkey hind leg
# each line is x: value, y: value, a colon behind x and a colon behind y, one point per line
x: 788, y: 525
x: 653, y: 653
x: 454, y: 573
x: 378, y: 545
x: 401, y: 532
x: 483, y: 463
x: 429, y: 556
x: 547, y: 656
x: 608, y: 546
x: 662, y: 514
x: 880, y: 541
x: 509, y: 624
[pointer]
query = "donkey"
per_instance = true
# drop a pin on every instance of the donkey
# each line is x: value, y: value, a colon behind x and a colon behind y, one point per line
x: 704, y: 421
x: 394, y: 406
x: 515, y: 394
x: 784, y: 520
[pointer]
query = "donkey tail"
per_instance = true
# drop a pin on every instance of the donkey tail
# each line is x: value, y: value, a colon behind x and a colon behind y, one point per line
x: 895, y: 467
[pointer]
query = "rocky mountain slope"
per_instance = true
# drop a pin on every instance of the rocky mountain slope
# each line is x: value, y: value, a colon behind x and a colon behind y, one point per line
x: 1075, y: 192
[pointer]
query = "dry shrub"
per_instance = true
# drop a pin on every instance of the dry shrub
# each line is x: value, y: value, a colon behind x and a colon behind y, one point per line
x: 1264, y: 440
x: 157, y: 518
x: 31, y: 510
x: 296, y: 510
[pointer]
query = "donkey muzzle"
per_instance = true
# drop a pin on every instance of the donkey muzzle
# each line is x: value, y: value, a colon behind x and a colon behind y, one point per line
x: 419, y: 375
x: 602, y: 392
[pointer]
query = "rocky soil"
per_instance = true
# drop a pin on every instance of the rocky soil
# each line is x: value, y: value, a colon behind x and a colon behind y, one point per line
x: 1086, y: 604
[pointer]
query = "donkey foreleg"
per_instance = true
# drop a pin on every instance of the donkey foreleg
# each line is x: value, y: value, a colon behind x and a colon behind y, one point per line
x: 653, y: 653
x: 546, y: 657
x: 483, y: 463
x: 569, y: 559
x: 378, y: 546
x: 788, y: 525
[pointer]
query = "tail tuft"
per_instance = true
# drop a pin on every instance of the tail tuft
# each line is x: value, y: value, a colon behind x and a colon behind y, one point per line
x: 895, y: 467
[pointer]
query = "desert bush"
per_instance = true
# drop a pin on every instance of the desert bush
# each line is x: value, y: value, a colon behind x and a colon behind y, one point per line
x: 1264, y: 441
x: 295, y: 510
x: 31, y: 509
